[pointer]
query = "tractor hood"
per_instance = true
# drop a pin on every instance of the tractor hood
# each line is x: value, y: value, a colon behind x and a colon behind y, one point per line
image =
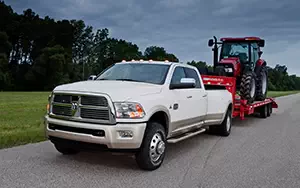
x: 232, y: 64
x: 230, y: 60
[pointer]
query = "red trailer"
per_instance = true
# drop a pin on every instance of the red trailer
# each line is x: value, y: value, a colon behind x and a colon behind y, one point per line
x: 241, y: 107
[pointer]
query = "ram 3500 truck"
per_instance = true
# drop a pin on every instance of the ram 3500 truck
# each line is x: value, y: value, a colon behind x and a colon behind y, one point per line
x: 136, y: 106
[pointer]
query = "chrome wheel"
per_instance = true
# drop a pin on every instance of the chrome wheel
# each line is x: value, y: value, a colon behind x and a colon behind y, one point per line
x: 157, y: 147
x: 252, y: 89
x: 228, y: 123
x: 264, y: 83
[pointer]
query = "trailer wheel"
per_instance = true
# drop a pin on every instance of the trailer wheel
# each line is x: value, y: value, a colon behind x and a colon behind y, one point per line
x: 248, y: 87
x: 152, y: 151
x: 264, y: 111
x: 269, y: 110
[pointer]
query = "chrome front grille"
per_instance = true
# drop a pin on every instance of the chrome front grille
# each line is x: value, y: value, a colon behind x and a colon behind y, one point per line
x: 81, y: 107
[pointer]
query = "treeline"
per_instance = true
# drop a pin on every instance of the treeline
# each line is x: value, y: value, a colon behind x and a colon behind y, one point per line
x: 40, y: 53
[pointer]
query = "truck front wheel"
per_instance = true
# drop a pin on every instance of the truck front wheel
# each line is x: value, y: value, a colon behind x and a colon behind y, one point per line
x: 152, y: 151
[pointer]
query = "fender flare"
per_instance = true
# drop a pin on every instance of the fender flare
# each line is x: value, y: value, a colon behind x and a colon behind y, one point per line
x: 228, y: 106
x: 260, y: 63
x: 160, y: 108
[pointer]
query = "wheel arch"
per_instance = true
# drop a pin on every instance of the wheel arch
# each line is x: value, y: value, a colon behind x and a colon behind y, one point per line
x: 162, y: 116
x: 229, y: 107
x: 260, y: 63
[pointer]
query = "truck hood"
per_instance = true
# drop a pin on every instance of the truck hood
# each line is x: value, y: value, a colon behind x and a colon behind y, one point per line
x: 117, y: 90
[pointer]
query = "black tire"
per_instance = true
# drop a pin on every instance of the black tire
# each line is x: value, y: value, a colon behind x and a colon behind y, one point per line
x: 65, y: 150
x: 224, y: 129
x: 269, y: 109
x: 248, y: 87
x: 264, y: 111
x: 152, y: 133
x: 261, y: 83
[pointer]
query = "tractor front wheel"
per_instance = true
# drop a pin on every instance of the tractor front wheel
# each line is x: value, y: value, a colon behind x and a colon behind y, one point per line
x: 248, y: 87
x: 262, y: 83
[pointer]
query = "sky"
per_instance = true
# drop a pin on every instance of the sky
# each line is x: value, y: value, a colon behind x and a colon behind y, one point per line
x: 183, y: 27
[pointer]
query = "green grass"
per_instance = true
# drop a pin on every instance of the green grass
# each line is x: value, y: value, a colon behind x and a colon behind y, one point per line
x: 21, y: 116
x: 281, y: 93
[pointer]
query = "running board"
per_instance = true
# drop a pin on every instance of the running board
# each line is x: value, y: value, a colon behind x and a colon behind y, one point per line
x: 185, y: 136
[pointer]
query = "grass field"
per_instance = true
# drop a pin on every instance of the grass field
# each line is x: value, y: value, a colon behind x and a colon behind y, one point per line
x: 281, y: 93
x: 21, y: 116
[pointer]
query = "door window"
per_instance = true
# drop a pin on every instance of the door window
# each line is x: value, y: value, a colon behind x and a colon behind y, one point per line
x: 177, y: 75
x: 191, y: 73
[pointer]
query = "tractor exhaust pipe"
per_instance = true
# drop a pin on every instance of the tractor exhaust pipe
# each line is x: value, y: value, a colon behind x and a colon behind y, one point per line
x: 215, y: 52
x: 214, y: 43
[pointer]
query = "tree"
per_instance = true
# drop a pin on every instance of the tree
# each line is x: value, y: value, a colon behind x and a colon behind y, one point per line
x: 40, y: 53
x: 159, y: 54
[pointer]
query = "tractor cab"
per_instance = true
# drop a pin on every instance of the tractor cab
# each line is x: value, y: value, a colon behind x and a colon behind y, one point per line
x: 241, y: 58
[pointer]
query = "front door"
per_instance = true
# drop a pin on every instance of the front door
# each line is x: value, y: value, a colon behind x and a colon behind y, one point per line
x: 190, y: 105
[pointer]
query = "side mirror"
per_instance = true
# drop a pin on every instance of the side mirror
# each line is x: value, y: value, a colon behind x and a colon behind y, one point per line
x: 185, y: 83
x: 92, y: 77
x: 210, y: 42
x: 261, y: 43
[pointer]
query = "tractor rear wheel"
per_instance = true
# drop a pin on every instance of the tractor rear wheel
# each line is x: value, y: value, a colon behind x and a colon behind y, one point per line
x: 262, y: 83
x: 248, y: 87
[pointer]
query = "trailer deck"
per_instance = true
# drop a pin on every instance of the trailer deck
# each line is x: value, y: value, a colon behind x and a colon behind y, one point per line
x: 240, y: 107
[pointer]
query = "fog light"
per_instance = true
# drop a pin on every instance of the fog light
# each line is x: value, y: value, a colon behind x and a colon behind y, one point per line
x: 126, y: 134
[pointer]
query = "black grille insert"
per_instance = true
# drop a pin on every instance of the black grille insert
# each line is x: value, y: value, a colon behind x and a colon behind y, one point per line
x: 62, y: 110
x: 94, y: 101
x: 94, y: 114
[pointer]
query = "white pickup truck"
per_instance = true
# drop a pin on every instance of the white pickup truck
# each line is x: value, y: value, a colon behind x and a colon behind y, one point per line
x: 136, y: 106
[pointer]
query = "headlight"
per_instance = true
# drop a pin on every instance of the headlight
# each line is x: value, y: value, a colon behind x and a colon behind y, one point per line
x: 129, y: 110
x: 49, y: 102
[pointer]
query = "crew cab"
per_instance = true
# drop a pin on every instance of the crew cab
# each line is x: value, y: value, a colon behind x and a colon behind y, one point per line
x: 136, y: 106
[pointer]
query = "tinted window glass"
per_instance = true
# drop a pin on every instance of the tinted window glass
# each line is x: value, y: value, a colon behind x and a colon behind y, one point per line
x: 150, y: 73
x: 191, y: 73
x: 254, y: 54
x: 177, y: 75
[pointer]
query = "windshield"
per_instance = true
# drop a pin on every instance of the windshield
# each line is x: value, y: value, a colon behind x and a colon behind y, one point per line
x: 137, y: 72
x: 235, y: 49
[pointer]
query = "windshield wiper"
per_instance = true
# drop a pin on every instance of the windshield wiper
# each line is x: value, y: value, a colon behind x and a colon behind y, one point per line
x: 103, y: 79
x: 130, y: 80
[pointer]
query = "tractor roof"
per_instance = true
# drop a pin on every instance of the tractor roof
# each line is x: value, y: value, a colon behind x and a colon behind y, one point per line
x: 241, y: 39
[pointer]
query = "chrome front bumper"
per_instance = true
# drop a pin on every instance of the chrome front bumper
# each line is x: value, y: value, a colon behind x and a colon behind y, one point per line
x: 119, y: 136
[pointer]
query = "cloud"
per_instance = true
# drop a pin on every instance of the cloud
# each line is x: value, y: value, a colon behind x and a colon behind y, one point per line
x: 183, y: 27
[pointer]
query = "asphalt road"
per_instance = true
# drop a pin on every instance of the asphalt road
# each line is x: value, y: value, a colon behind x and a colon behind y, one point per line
x: 258, y: 153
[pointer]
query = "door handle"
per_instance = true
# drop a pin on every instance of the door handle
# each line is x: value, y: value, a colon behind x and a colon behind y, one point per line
x: 205, y: 95
x: 189, y: 97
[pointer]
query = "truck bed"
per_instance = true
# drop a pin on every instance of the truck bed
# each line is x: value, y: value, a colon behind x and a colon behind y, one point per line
x: 241, y: 107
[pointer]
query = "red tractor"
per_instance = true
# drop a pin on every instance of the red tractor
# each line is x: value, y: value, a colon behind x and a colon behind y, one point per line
x: 241, y: 58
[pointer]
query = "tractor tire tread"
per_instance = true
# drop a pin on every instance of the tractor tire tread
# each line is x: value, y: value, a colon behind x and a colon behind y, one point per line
x: 259, y: 94
x: 245, y: 87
